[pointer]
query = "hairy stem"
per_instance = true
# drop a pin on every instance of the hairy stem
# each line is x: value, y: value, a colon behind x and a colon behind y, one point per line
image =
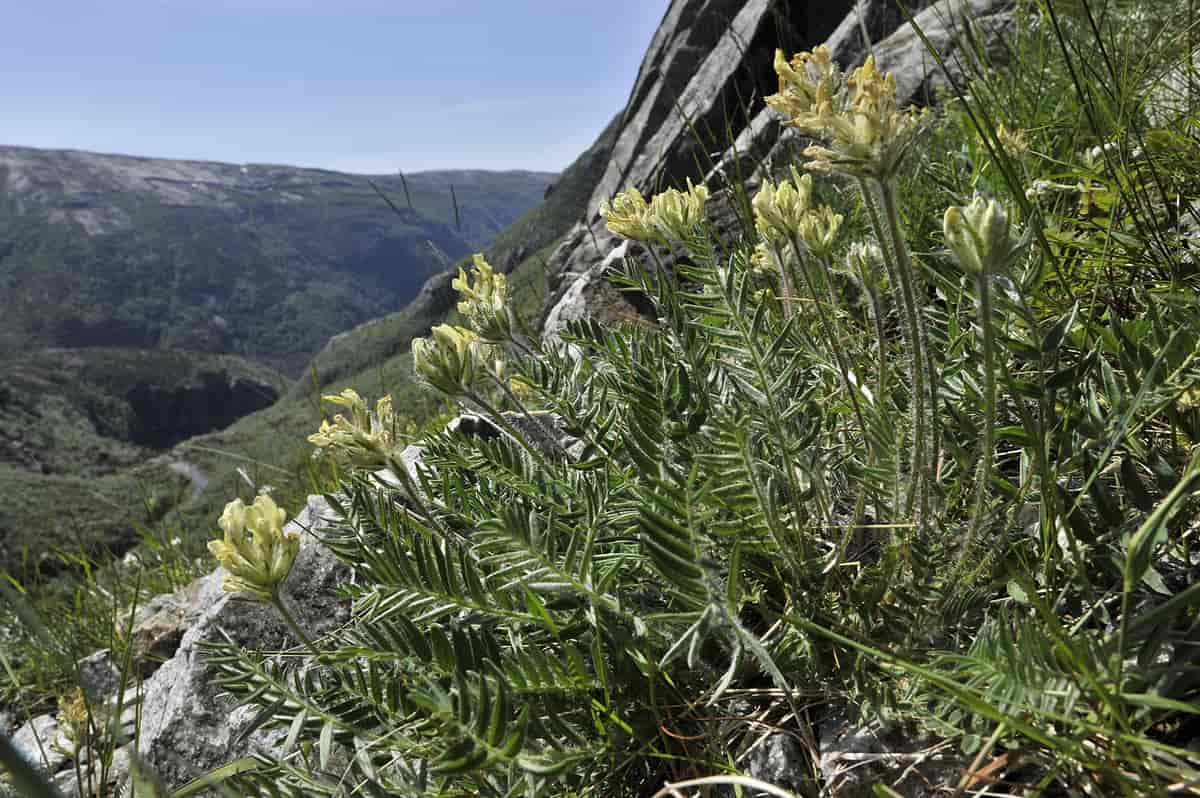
x: 923, y: 458
x: 899, y: 265
x: 785, y: 282
x: 987, y: 455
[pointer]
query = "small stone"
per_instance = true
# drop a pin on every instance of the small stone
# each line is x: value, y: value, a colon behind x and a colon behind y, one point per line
x: 779, y: 760
x: 99, y: 675
x: 42, y: 743
x: 68, y: 781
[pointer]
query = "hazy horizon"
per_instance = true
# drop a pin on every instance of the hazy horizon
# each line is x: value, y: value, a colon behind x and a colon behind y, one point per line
x: 410, y: 173
x: 367, y: 87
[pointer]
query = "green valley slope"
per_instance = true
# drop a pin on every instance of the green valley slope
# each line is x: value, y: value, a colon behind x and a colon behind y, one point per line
x: 85, y: 437
x: 268, y: 447
x: 263, y: 261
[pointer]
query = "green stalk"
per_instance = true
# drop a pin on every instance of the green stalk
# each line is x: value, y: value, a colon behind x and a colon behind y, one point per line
x: 547, y: 431
x: 877, y: 310
x: 785, y: 283
x: 889, y: 263
x: 987, y: 453
x: 921, y: 413
x: 834, y: 339
x: 508, y: 427
x: 899, y: 264
x: 277, y: 602
x: 831, y: 333
x: 880, y: 338
x: 397, y: 467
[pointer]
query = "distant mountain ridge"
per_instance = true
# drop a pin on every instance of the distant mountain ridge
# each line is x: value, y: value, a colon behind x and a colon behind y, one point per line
x: 263, y: 261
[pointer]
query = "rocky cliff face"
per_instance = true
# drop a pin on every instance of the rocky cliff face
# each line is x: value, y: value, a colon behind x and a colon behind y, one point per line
x: 697, y: 110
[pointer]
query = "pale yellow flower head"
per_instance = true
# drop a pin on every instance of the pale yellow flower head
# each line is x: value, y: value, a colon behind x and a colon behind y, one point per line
x: 628, y: 215
x: 978, y: 234
x: 1016, y: 141
x: 861, y: 129
x: 256, y: 550
x: 450, y: 359
x: 780, y: 207
x: 484, y: 303
x: 818, y: 231
x: 676, y: 213
x: 365, y: 440
x: 73, y: 716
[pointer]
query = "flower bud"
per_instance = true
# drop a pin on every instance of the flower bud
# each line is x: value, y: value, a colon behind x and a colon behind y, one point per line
x: 780, y: 207
x: 818, y: 231
x: 449, y: 359
x: 978, y: 235
x: 676, y: 213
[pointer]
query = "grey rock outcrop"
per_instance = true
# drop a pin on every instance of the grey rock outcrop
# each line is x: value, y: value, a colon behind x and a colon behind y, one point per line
x: 182, y: 723
x: 707, y: 61
x: 591, y: 296
x: 679, y: 119
x: 187, y: 725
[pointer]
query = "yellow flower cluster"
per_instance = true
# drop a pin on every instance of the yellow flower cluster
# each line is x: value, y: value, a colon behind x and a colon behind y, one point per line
x: 73, y: 718
x: 783, y: 214
x: 366, y: 439
x: 628, y: 215
x: 978, y: 235
x: 780, y: 207
x: 676, y: 213
x: 819, y: 229
x: 485, y: 302
x: 863, y: 131
x: 673, y: 214
x: 450, y: 359
x: 256, y: 550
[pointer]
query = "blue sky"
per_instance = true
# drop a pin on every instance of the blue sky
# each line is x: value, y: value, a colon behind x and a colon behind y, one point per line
x: 356, y: 85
